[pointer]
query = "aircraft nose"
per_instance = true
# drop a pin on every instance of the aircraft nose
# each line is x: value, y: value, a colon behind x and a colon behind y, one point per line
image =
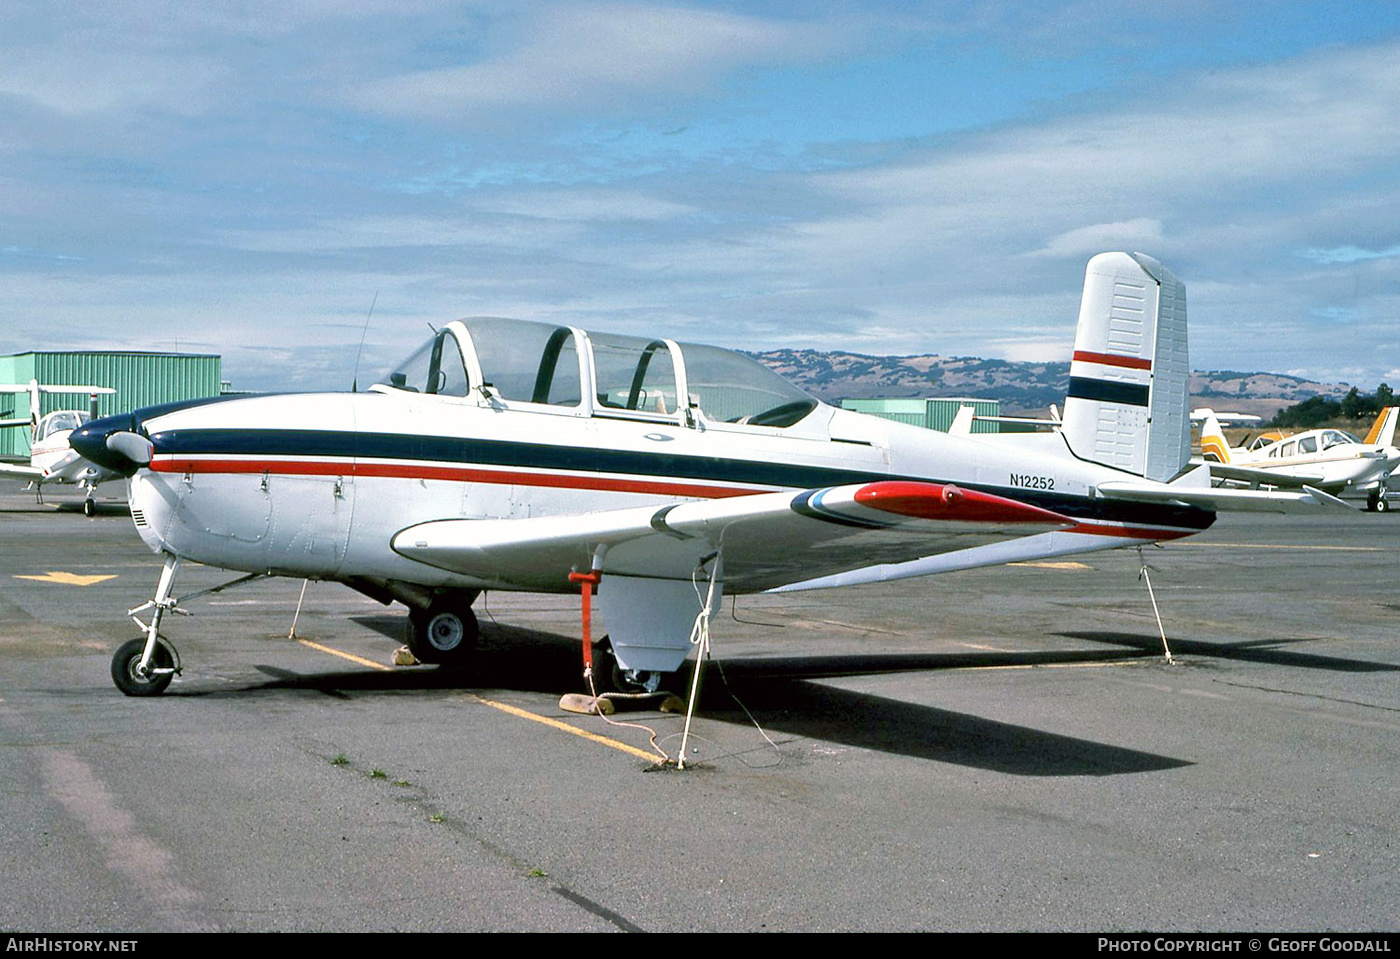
x: 113, y: 442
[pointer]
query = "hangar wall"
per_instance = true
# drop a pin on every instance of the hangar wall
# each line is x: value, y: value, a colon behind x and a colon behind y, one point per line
x: 140, y: 379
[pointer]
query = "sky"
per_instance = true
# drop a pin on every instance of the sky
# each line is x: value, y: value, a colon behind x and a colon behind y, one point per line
x: 277, y: 181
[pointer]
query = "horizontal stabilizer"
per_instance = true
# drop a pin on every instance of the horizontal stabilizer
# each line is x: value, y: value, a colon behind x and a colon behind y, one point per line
x: 1222, y: 499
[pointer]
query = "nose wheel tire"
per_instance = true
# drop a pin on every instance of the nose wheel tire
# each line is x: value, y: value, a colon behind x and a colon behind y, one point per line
x: 134, y: 683
x: 442, y: 634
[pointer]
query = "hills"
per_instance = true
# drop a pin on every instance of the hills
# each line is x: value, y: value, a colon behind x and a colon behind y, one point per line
x: 1021, y: 387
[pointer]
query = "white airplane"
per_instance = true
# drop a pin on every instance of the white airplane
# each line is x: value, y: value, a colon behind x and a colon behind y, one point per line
x: 967, y: 415
x: 51, y: 458
x: 525, y: 456
x: 1327, y: 459
x: 1198, y: 416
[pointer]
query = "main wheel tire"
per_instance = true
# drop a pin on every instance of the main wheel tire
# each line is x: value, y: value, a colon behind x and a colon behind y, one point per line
x: 128, y: 657
x: 89, y: 508
x: 1382, y: 505
x: 610, y: 677
x: 442, y: 634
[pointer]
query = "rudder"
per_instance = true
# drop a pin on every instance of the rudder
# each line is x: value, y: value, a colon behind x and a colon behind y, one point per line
x: 1127, y: 400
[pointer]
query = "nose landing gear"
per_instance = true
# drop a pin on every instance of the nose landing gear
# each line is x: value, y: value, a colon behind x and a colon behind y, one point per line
x: 145, y: 666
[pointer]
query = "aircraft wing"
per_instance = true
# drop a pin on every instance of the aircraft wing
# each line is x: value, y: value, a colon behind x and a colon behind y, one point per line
x: 1255, y: 477
x: 765, y: 539
x: 23, y: 472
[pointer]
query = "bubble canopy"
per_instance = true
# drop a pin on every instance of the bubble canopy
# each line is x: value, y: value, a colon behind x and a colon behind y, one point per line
x: 521, y: 363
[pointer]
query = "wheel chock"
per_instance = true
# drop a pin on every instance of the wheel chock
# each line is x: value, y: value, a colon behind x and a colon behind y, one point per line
x: 588, y: 705
x: 403, y: 656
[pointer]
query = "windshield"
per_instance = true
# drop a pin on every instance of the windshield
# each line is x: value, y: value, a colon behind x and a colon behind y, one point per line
x: 62, y: 420
x: 435, y: 367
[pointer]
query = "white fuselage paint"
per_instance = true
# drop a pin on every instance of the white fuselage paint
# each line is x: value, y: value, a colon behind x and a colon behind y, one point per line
x: 318, y: 485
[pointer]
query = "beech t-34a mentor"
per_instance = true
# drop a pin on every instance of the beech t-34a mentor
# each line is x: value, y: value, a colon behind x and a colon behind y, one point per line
x: 510, y: 455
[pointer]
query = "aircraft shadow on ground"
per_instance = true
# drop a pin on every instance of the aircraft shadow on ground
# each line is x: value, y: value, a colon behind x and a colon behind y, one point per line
x: 1267, y: 651
x: 782, y: 695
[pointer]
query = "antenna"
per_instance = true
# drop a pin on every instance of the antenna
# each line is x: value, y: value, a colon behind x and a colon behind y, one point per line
x: 355, y: 382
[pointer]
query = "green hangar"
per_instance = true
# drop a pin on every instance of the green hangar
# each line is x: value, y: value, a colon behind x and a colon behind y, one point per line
x: 139, y: 378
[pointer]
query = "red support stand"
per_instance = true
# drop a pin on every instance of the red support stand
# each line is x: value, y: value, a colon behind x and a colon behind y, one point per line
x: 586, y: 583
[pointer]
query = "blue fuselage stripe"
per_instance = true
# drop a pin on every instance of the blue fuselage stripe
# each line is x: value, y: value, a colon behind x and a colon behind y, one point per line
x: 464, y: 451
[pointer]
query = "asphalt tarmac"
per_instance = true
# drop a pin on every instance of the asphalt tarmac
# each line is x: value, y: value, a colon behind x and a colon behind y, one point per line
x: 1000, y: 749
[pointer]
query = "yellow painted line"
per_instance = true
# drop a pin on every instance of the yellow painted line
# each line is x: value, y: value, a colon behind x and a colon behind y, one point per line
x: 1338, y: 549
x: 1110, y: 662
x: 68, y: 579
x: 503, y: 707
x: 1069, y: 564
x: 565, y: 727
x: 350, y: 656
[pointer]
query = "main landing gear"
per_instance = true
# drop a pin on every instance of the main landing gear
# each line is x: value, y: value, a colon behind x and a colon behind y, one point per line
x: 1376, y: 501
x: 444, y: 633
x: 610, y: 677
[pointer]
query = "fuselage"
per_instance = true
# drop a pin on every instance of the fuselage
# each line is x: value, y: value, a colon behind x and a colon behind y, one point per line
x: 474, y: 426
x: 1336, y: 457
x: 51, y: 453
x: 317, y: 485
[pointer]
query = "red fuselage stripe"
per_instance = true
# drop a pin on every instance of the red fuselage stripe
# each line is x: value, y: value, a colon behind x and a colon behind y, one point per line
x: 454, y: 473
x: 176, y: 464
x: 1109, y: 359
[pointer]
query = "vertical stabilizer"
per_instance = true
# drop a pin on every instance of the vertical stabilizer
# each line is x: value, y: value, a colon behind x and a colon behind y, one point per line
x: 1383, y: 432
x: 1127, y: 401
x: 962, y: 422
x: 1214, y: 446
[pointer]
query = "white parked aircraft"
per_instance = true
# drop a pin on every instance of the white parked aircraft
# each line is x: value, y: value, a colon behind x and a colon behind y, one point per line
x: 1327, y: 459
x: 510, y: 455
x: 1198, y: 416
x: 51, y: 458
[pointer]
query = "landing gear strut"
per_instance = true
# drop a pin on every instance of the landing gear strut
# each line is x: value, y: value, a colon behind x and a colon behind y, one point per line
x: 144, y: 667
